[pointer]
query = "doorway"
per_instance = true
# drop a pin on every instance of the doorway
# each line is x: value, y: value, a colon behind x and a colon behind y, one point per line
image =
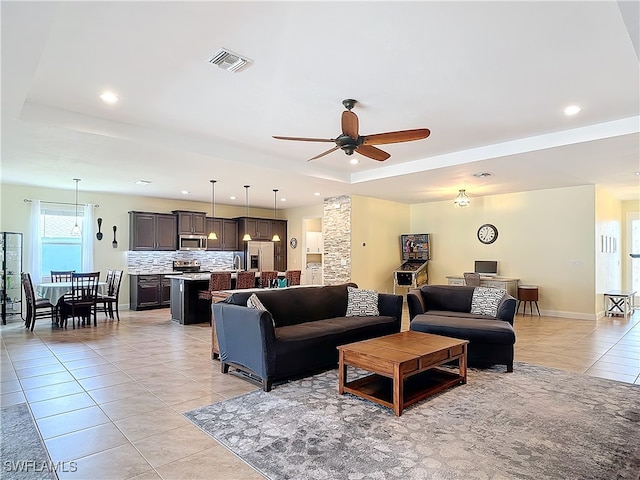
x: 313, y: 251
x: 633, y: 243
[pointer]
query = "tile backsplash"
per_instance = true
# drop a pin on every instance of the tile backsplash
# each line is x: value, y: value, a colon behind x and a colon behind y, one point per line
x: 161, y: 262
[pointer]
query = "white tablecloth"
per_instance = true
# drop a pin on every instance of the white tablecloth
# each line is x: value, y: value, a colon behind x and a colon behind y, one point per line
x: 54, y: 291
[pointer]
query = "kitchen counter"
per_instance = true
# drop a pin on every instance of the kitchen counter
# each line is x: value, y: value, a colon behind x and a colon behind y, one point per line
x: 201, y: 275
x: 206, y: 276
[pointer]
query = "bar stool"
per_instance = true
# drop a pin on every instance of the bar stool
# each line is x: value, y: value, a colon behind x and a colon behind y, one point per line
x: 528, y: 293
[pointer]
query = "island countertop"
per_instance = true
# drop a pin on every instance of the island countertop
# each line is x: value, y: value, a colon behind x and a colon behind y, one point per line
x: 205, y: 276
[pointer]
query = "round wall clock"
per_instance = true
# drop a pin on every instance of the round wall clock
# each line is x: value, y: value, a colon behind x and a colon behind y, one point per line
x: 293, y: 242
x: 487, y: 233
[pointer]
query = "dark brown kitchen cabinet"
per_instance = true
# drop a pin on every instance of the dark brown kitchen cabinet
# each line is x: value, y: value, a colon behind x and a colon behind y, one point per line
x: 149, y: 291
x: 280, y: 248
x: 191, y: 223
x: 258, y: 228
x: 152, y: 231
x: 280, y: 227
x: 226, y: 231
x: 263, y: 229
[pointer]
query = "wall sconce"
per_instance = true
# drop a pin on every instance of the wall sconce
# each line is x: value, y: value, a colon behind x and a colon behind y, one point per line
x: 462, y: 200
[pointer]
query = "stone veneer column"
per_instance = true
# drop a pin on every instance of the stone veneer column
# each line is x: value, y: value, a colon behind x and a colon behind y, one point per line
x: 336, y: 235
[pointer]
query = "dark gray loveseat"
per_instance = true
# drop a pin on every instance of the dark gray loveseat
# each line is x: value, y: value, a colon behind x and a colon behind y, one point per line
x: 298, y: 333
x: 446, y: 310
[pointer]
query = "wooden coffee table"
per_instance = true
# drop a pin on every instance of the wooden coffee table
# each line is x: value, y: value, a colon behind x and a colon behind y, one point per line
x: 403, y: 367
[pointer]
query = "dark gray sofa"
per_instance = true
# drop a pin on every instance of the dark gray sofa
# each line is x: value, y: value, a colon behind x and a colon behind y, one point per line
x: 446, y: 310
x: 298, y: 333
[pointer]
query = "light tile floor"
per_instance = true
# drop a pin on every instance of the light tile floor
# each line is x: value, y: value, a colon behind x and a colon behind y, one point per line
x: 111, y: 398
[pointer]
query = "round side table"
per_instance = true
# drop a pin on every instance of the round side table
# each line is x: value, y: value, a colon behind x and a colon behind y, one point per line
x: 528, y: 294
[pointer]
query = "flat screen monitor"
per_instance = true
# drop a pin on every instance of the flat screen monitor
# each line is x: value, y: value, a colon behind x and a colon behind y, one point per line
x: 486, y: 267
x: 415, y: 246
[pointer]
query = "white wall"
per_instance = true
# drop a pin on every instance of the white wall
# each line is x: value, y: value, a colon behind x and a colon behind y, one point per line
x: 376, y: 226
x: 545, y: 238
x: 608, y: 227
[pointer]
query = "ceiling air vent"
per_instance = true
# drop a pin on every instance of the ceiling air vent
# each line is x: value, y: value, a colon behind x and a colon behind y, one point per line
x: 228, y: 60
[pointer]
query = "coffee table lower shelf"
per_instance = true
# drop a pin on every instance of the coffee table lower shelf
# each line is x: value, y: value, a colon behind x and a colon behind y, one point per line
x: 379, y: 389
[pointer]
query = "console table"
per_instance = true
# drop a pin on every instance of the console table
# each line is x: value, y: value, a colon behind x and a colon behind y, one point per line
x: 618, y: 302
x: 503, y: 283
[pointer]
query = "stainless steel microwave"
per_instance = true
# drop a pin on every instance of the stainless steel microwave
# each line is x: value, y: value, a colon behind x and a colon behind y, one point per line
x: 192, y: 242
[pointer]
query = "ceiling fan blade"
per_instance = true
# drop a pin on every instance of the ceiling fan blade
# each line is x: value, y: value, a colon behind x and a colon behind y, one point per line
x: 396, y: 137
x: 325, y: 153
x: 350, y: 124
x: 305, y: 139
x: 372, y: 152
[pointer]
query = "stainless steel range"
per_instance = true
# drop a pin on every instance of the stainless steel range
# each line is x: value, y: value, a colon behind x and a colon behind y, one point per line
x: 187, y: 266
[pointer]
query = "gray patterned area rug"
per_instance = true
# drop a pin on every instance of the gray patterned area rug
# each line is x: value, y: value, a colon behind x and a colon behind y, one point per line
x: 23, y: 453
x: 535, y: 423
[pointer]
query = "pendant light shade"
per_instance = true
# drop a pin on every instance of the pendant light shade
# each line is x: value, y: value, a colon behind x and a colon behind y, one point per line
x: 246, y: 237
x: 212, y: 234
x: 462, y: 200
x: 75, y: 231
x: 276, y: 237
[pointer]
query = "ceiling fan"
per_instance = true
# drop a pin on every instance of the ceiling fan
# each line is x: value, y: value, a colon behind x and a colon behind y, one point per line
x: 351, y: 141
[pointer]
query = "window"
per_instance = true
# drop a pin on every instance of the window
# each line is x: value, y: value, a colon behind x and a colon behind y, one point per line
x: 60, y: 249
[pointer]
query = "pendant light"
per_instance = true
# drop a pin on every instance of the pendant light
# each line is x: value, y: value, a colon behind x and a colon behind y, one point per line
x: 75, y: 231
x: 246, y: 237
x: 462, y: 200
x: 212, y: 234
x: 276, y: 237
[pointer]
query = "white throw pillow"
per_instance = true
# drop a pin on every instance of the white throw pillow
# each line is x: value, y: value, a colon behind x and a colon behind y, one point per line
x: 254, y: 302
x: 362, y: 303
x: 485, y: 301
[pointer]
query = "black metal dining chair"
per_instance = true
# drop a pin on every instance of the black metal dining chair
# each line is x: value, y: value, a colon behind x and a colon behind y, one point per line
x: 34, y: 303
x: 82, y: 300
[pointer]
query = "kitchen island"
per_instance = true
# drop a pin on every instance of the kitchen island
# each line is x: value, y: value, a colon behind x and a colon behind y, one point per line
x: 186, y: 306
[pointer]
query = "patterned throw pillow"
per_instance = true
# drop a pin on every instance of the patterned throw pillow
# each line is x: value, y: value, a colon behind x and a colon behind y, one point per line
x: 254, y: 302
x: 362, y: 303
x: 485, y: 301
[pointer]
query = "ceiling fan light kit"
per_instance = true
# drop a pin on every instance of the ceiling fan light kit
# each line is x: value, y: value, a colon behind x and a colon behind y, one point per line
x: 350, y: 140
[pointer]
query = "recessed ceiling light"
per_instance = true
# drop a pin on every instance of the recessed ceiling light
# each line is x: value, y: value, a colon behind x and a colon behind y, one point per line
x: 638, y: 173
x: 232, y: 197
x: 143, y: 182
x: 482, y: 174
x: 185, y: 192
x: 283, y: 199
x: 354, y: 161
x: 317, y: 194
x: 109, y: 97
x: 572, y: 110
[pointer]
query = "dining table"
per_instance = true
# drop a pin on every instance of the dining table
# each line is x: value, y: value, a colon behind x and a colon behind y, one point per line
x: 54, y: 291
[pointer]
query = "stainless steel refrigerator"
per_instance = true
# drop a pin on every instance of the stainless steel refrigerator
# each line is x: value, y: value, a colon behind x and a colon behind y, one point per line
x: 259, y: 256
